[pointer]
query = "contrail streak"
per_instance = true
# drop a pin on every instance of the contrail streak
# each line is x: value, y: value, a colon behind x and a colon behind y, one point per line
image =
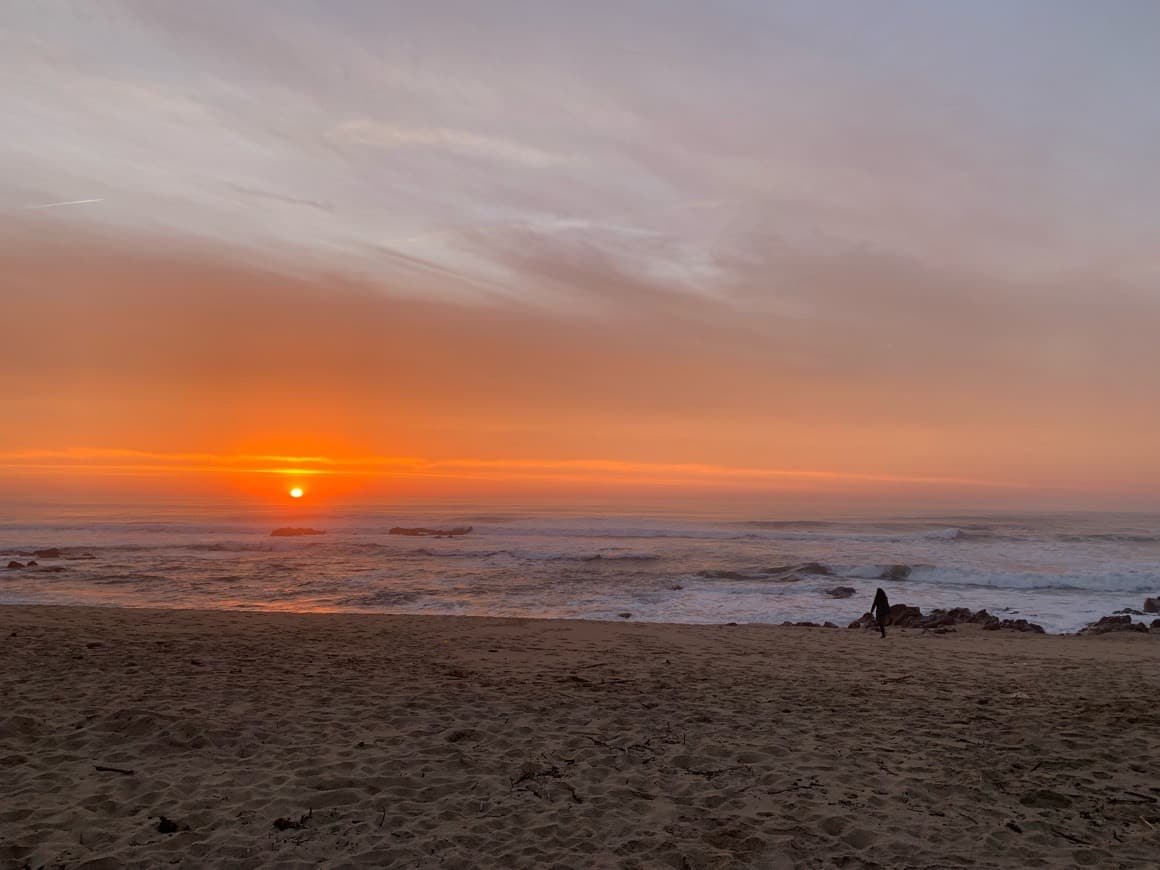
x: 70, y: 202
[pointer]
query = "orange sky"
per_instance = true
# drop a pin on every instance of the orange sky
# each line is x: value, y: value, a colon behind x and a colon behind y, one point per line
x: 161, y: 371
x: 772, y: 249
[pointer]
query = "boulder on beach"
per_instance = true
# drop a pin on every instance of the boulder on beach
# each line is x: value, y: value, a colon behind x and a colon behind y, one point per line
x: 1152, y: 605
x: 291, y: 532
x: 50, y: 553
x: 14, y: 564
x: 421, y: 532
x: 1113, y: 623
x: 841, y: 591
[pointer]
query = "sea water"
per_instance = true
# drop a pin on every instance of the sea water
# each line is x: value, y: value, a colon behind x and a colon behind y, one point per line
x: 686, y: 566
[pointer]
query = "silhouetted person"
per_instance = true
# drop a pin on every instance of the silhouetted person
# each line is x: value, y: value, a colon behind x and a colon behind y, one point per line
x: 881, y: 609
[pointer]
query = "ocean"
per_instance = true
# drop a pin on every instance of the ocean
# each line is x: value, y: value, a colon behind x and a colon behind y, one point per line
x: 665, y: 565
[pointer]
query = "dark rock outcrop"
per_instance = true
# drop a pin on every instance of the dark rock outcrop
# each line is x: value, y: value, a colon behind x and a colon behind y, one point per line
x: 423, y: 532
x: 1113, y: 623
x: 1132, y: 610
x: 50, y: 553
x: 904, y: 616
x: 841, y: 591
x: 14, y: 564
x: 895, y: 572
x: 1155, y: 624
x: 907, y: 616
x: 292, y: 532
x: 1152, y: 605
x: 996, y: 624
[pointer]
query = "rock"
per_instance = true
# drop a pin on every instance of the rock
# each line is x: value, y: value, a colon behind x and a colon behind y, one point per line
x: 1155, y: 624
x: 50, y: 553
x: 53, y: 569
x: 1133, y: 611
x: 997, y: 624
x: 828, y: 624
x: 624, y: 615
x: 1113, y: 623
x: 1152, y: 605
x: 841, y: 591
x: 291, y: 532
x: 908, y: 616
x: 32, y: 563
x: 422, y: 532
x: 676, y: 587
x: 943, y: 618
x: 14, y: 564
x: 904, y: 616
x: 895, y: 572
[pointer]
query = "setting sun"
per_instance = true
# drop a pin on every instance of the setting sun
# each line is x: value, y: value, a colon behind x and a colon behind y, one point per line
x: 296, y: 492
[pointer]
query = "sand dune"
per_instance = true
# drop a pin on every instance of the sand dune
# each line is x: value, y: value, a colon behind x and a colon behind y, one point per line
x: 453, y: 742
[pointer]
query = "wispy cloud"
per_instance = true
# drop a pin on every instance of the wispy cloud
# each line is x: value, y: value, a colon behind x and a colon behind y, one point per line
x: 59, y: 204
x: 382, y: 135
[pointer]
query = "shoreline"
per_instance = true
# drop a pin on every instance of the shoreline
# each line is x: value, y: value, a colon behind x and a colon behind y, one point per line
x: 1143, y: 618
x: 401, y: 740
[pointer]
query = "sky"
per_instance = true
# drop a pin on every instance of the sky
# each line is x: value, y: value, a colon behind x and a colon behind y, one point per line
x: 897, y: 250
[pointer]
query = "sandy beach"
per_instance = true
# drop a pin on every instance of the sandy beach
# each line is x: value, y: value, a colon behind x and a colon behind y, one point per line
x: 145, y: 738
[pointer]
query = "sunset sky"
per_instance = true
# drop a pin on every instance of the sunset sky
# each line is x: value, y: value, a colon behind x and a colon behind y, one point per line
x: 908, y: 250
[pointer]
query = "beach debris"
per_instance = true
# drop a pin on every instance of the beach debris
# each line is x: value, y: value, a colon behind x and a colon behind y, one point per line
x: 50, y: 553
x: 284, y: 824
x: 295, y: 532
x: 121, y: 770
x: 531, y: 778
x: 421, y: 532
x: 1152, y: 605
x: 1113, y: 623
x: 167, y: 826
x: 841, y: 591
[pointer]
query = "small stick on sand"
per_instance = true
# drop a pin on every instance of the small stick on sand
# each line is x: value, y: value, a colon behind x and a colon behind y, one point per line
x: 103, y: 769
x: 1148, y: 823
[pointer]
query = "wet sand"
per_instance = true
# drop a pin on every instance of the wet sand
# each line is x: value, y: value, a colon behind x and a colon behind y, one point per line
x: 383, y: 741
